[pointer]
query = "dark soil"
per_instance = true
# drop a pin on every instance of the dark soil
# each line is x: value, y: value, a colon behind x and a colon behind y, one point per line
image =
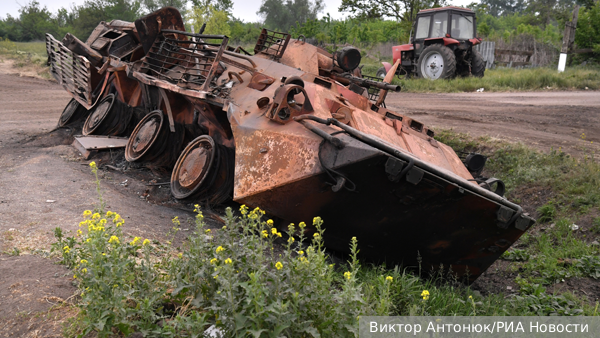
x: 33, y: 290
x: 45, y: 183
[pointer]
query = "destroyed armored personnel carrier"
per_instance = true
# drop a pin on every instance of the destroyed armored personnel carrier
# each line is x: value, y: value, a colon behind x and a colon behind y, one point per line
x: 289, y: 128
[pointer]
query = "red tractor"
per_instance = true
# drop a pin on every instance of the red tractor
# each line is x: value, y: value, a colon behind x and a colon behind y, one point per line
x: 442, y: 46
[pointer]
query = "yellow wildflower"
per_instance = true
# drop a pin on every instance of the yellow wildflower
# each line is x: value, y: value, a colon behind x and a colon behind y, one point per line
x: 109, y: 213
x: 278, y: 265
x: 274, y: 231
x: 102, y: 221
x: 219, y: 249
x: 317, y: 220
x: 302, y: 225
x: 87, y: 213
x: 196, y: 207
x: 278, y: 234
x: 317, y: 235
x: 224, y: 227
x: 135, y: 240
x: 389, y: 279
x: 207, y: 231
x: 176, y: 221
x: 291, y: 240
x: 348, y: 275
x: 244, y: 209
x: 180, y: 255
x: 93, y: 165
x: 228, y: 261
x: 425, y: 294
x: 84, y: 270
x: 270, y: 222
x: 83, y: 261
x: 67, y: 249
x: 214, y: 261
x: 265, y: 234
x: 79, y: 232
x: 114, y: 239
x: 470, y: 297
x: 88, y: 240
x: 74, y: 276
x: 300, y: 252
x: 146, y: 242
x: 96, y: 216
x: 120, y: 223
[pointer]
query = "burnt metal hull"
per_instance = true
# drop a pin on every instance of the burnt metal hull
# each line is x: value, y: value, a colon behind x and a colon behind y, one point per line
x: 427, y: 224
x: 294, y: 130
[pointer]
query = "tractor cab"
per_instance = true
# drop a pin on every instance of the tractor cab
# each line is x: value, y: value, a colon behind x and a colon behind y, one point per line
x: 451, y: 27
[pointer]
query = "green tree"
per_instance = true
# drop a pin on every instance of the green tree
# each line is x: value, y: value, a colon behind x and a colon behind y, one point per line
x: 154, y: 5
x: 503, y: 7
x: 35, y: 22
x: 216, y: 21
x: 93, y: 11
x: 587, y: 34
x: 401, y: 10
x: 282, y: 15
x: 218, y: 5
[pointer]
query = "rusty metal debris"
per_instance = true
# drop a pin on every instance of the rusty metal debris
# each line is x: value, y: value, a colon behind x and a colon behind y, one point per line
x: 293, y: 129
x: 88, y: 145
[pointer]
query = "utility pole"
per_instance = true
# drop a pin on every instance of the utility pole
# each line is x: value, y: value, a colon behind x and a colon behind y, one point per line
x: 568, y: 40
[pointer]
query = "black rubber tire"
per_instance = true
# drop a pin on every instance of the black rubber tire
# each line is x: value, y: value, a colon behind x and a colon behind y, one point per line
x: 447, y: 55
x: 381, y: 73
x: 477, y: 64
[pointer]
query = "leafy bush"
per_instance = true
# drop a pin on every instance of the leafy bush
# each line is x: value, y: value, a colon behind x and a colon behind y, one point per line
x: 534, y: 297
x: 515, y: 255
x: 589, y: 266
x: 547, y: 213
x: 233, y: 278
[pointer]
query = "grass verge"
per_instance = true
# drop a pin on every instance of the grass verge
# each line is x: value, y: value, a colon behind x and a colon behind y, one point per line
x: 247, y: 278
x: 565, y: 194
x: 502, y: 80
x: 29, y: 57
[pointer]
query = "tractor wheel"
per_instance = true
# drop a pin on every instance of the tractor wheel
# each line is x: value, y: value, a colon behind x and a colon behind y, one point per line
x: 477, y: 64
x: 381, y: 73
x: 437, y: 62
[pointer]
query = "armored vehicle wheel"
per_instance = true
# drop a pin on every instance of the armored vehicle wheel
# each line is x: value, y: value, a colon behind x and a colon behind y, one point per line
x: 204, y: 169
x: 153, y: 141
x: 72, y: 112
x: 381, y: 73
x: 477, y: 64
x: 110, y: 117
x: 437, y: 62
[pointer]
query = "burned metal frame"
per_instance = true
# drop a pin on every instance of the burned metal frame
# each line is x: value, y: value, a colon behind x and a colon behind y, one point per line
x: 292, y: 129
x: 72, y: 71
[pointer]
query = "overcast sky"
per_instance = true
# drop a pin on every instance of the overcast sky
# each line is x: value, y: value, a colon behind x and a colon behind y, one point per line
x: 243, y: 9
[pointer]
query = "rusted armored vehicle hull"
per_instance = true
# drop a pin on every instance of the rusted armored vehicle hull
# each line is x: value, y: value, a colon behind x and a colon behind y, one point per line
x: 292, y: 129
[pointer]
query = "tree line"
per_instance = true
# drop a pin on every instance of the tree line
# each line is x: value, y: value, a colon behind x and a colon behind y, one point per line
x: 370, y: 21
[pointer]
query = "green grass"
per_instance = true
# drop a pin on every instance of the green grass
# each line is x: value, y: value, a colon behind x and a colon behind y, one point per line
x: 26, y: 54
x: 35, y: 48
x: 500, y: 80
x: 572, y: 194
x: 234, y: 277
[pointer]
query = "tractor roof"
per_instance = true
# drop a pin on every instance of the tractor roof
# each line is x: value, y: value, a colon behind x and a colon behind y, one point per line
x: 446, y: 9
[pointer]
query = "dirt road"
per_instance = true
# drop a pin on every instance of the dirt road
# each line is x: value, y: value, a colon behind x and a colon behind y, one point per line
x: 44, y: 182
x: 543, y: 120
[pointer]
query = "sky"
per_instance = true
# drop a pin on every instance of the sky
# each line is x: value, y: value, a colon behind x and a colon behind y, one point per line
x: 243, y: 9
